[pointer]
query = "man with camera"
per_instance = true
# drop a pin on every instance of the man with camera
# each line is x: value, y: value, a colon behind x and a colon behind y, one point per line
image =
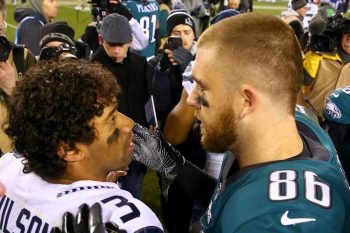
x: 167, y: 68
x: 14, y: 61
x: 57, y: 41
x: 326, y: 65
x: 166, y: 73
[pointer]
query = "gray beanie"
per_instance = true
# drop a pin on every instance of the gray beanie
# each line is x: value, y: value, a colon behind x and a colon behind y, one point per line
x: 296, y: 4
x: 37, y: 5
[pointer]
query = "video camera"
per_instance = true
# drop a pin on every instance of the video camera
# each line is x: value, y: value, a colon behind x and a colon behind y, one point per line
x: 99, y: 9
x: 58, y: 53
x: 325, y: 32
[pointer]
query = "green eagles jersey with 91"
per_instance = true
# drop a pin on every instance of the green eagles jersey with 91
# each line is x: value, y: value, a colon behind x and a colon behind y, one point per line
x: 307, y: 193
x: 146, y: 13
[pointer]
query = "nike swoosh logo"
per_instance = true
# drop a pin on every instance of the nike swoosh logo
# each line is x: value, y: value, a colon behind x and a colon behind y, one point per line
x: 285, y: 220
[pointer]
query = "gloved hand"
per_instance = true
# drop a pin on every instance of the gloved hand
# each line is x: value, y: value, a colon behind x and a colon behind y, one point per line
x: 164, y: 62
x: 152, y: 150
x: 183, y: 57
x: 120, y: 9
x: 88, y: 220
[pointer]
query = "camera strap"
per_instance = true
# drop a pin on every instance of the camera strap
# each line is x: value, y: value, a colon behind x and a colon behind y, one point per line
x: 18, y: 58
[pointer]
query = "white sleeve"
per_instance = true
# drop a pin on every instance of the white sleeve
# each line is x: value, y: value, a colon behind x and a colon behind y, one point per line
x: 140, y: 39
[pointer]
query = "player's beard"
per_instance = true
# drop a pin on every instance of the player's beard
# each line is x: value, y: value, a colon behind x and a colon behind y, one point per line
x: 220, y: 136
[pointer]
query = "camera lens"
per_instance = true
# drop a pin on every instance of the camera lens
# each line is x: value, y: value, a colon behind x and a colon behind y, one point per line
x: 48, y: 53
x: 5, y: 49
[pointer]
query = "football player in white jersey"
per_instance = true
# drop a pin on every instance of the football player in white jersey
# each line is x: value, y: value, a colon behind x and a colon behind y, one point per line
x: 68, y: 136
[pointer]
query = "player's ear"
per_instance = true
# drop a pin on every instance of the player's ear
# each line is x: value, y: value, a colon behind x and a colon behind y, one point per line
x: 250, y: 99
x: 70, y: 154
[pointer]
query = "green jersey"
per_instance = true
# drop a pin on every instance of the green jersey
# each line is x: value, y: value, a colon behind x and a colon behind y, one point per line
x: 307, y: 193
x: 147, y: 14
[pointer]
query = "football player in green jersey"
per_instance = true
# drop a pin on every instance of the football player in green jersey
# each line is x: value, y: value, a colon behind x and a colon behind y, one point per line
x: 146, y: 12
x: 248, y: 73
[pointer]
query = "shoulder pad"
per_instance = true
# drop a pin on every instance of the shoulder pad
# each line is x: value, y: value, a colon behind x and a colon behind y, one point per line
x: 305, y: 117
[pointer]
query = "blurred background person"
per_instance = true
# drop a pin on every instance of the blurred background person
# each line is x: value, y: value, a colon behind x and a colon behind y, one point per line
x: 200, y: 12
x: 165, y: 71
x: 31, y: 20
x: 294, y: 17
x: 14, y: 61
x: 146, y: 12
x: 241, y: 5
x: 234, y: 4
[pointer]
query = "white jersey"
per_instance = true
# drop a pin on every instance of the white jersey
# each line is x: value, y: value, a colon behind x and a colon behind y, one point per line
x: 31, y: 204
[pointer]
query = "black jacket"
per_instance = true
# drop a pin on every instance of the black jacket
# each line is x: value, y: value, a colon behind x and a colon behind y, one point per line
x: 28, y: 32
x: 166, y: 86
x: 131, y: 76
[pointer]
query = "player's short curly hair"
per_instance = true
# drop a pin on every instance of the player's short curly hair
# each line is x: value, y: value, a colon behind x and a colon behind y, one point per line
x: 54, y: 103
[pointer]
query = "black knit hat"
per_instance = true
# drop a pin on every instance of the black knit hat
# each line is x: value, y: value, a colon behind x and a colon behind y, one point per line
x: 57, y: 31
x: 346, y: 26
x: 296, y: 4
x: 177, y: 17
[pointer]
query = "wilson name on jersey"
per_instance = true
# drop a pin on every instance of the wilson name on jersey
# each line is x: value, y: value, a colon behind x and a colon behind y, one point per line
x: 31, y: 204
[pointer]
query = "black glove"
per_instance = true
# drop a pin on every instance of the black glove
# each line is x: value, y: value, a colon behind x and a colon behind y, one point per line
x: 152, y: 150
x: 183, y: 57
x: 164, y: 62
x: 83, y: 50
x: 120, y: 9
x: 88, y: 220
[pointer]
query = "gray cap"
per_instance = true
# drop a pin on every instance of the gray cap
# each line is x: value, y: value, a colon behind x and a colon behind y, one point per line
x: 296, y: 4
x: 116, y: 29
